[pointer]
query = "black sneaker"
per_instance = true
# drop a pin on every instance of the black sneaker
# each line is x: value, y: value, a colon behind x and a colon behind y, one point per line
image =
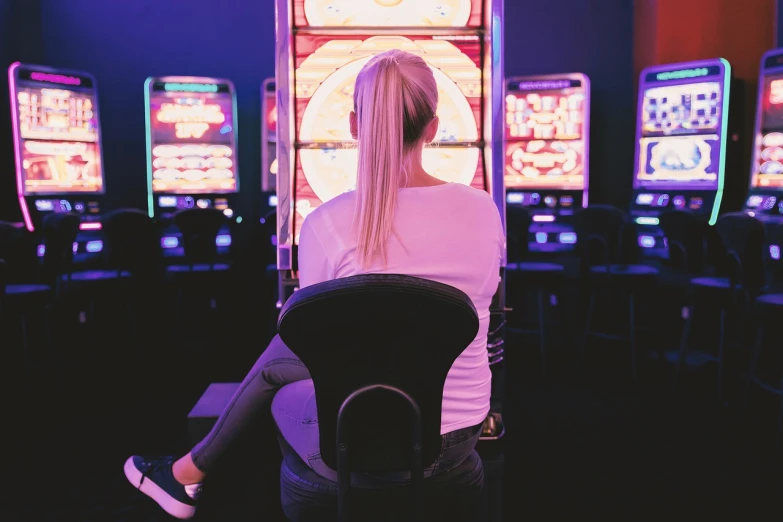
x: 154, y: 478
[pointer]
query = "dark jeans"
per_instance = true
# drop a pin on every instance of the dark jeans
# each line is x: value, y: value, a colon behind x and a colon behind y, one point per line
x: 294, y: 412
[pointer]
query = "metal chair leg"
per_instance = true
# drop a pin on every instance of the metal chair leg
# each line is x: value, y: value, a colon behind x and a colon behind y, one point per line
x: 686, y: 330
x: 754, y: 360
x: 721, y: 343
x: 588, y: 323
x: 542, y: 329
x: 632, y: 337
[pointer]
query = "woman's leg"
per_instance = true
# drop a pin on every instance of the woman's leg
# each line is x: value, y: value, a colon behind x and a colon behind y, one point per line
x: 174, y: 485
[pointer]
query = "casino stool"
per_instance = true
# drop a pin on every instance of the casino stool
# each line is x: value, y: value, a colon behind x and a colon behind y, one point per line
x: 525, y: 274
x: 607, y: 250
x: 202, y: 265
x: 686, y: 240
x: 381, y: 412
x: 132, y: 252
x: 739, y: 280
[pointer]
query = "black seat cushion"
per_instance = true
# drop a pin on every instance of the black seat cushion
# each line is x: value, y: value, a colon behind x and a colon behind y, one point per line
x: 452, y: 495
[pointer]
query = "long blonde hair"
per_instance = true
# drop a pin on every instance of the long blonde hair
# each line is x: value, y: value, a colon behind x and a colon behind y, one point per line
x: 395, y: 98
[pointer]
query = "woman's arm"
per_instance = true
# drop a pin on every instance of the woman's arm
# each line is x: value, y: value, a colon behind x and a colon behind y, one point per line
x: 314, y: 266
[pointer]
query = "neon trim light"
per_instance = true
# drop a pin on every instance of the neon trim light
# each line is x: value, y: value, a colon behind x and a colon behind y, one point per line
x: 148, y: 131
x: 723, y: 139
x: 682, y: 74
x: 647, y: 220
x: 191, y: 87
x: 28, y: 222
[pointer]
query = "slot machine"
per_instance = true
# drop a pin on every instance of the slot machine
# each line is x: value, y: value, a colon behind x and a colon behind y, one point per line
x: 765, y: 198
x: 321, y: 47
x: 683, y: 137
x: 57, y: 146
x: 191, y: 152
x: 547, y: 154
x: 269, y: 143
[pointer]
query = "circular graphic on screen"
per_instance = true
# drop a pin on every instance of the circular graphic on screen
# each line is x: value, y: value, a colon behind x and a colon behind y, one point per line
x: 326, y: 115
x: 336, y: 168
x: 377, y: 13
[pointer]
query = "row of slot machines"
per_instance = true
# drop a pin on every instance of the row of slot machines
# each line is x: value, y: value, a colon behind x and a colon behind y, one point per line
x: 687, y: 149
x: 191, y: 148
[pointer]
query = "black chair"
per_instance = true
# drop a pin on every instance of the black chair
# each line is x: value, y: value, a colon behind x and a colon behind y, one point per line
x: 607, y: 248
x: 17, y: 298
x: 523, y: 274
x: 200, y: 228
x: 379, y: 348
x: 768, y: 313
x: 686, y: 241
x: 739, y: 279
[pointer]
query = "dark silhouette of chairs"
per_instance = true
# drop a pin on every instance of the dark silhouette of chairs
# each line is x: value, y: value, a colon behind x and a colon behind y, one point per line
x: 768, y: 312
x: 379, y: 348
x: 608, y: 251
x: 523, y: 273
x: 739, y: 279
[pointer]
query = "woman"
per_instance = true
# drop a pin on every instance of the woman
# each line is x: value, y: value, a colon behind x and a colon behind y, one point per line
x: 398, y: 220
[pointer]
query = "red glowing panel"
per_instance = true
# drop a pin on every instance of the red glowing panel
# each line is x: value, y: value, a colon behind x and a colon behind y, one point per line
x: 270, y: 118
x: 61, y: 167
x: 192, y: 145
x: 388, y: 13
x: 545, y: 163
x: 59, y: 140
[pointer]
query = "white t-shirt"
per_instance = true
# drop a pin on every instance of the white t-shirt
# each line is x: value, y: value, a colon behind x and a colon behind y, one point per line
x: 448, y: 233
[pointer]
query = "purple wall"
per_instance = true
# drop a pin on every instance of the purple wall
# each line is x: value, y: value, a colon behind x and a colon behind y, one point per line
x: 122, y: 43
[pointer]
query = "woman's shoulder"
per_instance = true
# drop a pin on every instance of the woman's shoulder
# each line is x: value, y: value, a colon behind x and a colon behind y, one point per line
x: 334, y: 210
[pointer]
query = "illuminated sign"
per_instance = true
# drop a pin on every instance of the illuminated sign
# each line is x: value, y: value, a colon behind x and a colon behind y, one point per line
x: 544, y: 85
x: 683, y: 74
x: 776, y: 92
x: 191, y: 121
x: 190, y: 87
x: 54, y: 78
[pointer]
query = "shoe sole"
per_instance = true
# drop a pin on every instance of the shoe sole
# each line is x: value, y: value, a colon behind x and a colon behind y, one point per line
x: 170, y: 505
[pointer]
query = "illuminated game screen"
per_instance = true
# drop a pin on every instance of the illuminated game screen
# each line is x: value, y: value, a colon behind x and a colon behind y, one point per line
x: 59, y: 140
x: 388, y: 13
x: 545, y: 135
x: 270, y: 133
x: 680, y: 135
x: 326, y: 70
x: 191, y: 138
x: 768, y: 158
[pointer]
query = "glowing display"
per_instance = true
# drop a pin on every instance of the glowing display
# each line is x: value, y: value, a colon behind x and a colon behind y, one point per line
x: 59, y: 140
x: 680, y: 158
x: 192, y: 138
x: 385, y: 13
x: 545, y: 133
x: 326, y: 70
x: 768, y: 153
x: 682, y: 127
x: 682, y: 109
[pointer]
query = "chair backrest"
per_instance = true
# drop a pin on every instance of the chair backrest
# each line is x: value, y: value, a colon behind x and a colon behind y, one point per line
x: 686, y: 239
x: 132, y: 241
x: 59, y: 234
x: 742, y: 239
x: 773, y: 250
x: 394, y: 330
x: 11, y: 244
x: 518, y: 221
x: 603, y: 234
x: 200, y: 228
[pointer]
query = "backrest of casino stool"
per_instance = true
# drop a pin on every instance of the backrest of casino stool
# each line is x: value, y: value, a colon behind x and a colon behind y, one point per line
x: 773, y: 250
x: 742, y: 260
x: 59, y: 234
x: 686, y: 240
x: 604, y: 236
x: 200, y: 228
x: 132, y: 242
x: 393, y: 330
x: 518, y: 222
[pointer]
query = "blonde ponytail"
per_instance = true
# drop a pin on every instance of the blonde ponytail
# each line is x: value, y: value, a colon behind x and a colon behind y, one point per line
x: 395, y: 99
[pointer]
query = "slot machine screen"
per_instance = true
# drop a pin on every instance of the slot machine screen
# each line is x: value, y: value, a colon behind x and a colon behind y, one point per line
x: 191, y: 137
x: 388, y: 13
x: 680, y: 140
x: 768, y: 157
x: 545, y: 133
x: 269, y: 134
x: 326, y: 70
x: 58, y: 133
